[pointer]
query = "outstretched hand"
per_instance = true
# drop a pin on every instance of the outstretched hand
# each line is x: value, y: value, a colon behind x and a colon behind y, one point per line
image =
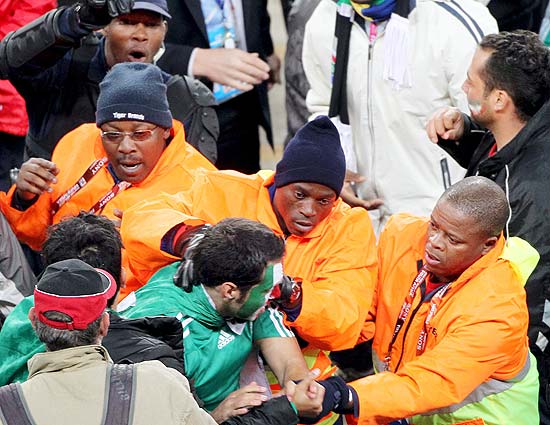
x: 239, y: 402
x: 231, y: 67
x: 307, y: 395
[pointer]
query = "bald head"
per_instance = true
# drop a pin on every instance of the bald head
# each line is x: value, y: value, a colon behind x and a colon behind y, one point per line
x: 482, y: 200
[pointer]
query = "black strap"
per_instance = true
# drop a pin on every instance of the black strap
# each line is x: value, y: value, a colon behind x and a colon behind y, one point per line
x: 120, y: 395
x: 338, y: 97
x: 12, y: 407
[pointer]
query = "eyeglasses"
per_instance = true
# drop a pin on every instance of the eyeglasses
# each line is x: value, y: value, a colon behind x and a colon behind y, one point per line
x: 136, y: 136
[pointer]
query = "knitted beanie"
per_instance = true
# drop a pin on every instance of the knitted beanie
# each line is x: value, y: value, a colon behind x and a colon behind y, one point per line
x: 313, y: 155
x: 133, y: 91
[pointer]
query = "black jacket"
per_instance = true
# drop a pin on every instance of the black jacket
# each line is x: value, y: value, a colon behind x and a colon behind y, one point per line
x: 276, y: 411
x: 524, y: 164
x: 518, y: 14
x: 147, y: 338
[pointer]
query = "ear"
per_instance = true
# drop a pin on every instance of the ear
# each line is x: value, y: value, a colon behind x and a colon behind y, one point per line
x: 104, y: 325
x: 502, y: 100
x: 32, y: 316
x: 229, y: 291
x: 489, y: 244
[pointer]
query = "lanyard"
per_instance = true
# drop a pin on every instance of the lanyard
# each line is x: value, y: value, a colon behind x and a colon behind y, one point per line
x: 406, y: 309
x: 92, y: 171
x: 105, y: 199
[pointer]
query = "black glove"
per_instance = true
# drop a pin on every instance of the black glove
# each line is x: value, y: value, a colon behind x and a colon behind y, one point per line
x: 95, y: 14
x: 337, y: 399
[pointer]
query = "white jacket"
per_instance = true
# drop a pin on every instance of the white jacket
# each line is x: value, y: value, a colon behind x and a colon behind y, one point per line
x: 388, y: 137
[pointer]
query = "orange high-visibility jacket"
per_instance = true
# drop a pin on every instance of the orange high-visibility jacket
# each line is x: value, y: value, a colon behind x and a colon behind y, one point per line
x: 477, y: 340
x: 336, y: 261
x: 74, y: 153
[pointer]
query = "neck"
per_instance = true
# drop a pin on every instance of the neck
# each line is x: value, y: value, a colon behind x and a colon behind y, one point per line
x: 505, y: 130
x: 439, y: 279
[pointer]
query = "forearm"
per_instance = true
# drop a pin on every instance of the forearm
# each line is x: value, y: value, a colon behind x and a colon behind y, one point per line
x: 39, y: 44
x: 463, y: 149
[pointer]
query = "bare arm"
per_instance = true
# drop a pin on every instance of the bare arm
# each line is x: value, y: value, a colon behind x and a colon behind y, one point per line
x: 284, y: 357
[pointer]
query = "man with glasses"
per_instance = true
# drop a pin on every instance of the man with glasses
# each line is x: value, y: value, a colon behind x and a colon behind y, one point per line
x: 135, y: 151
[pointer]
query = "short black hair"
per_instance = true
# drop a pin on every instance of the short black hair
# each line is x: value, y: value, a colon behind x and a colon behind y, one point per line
x: 235, y: 250
x: 520, y: 65
x: 91, y: 238
x: 483, y: 200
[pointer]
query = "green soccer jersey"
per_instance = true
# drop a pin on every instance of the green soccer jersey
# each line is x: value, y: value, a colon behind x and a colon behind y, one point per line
x: 215, y: 351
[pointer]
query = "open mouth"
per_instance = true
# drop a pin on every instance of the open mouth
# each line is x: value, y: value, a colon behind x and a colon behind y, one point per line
x: 137, y: 56
x: 130, y: 168
x: 430, y: 259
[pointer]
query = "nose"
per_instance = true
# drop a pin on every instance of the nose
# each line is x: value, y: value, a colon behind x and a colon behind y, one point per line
x: 127, y: 145
x: 307, y: 208
x: 436, y: 240
x: 140, y: 32
x: 465, y: 86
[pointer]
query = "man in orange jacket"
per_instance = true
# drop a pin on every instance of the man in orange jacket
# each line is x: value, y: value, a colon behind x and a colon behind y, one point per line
x: 136, y: 151
x: 451, y: 318
x: 330, y: 247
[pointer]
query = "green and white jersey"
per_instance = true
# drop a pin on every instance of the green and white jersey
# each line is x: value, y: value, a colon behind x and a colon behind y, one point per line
x: 215, y: 351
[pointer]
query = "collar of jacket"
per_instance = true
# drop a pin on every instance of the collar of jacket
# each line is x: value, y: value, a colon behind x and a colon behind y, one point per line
x: 70, y: 358
x: 529, y: 135
x: 266, y: 214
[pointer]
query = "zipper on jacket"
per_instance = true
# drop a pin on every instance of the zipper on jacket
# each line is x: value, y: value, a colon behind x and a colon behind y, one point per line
x: 422, y: 294
x: 372, y: 35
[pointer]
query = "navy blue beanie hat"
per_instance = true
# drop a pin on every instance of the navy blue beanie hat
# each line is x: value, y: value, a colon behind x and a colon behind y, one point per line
x: 314, y: 155
x: 133, y: 91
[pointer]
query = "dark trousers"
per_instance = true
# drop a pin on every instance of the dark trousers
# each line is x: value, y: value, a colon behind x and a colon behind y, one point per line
x: 11, y: 156
x: 239, y: 141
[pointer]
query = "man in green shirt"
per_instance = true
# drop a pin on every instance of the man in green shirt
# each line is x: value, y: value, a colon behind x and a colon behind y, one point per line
x: 219, y: 293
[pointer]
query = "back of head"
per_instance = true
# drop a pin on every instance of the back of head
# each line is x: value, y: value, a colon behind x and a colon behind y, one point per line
x: 69, y: 301
x: 483, y: 200
x: 235, y: 250
x: 313, y: 155
x: 133, y: 91
x: 520, y: 65
x: 91, y: 238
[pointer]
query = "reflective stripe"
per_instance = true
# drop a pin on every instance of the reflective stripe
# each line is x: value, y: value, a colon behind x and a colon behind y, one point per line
x: 485, y: 389
x: 378, y: 364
